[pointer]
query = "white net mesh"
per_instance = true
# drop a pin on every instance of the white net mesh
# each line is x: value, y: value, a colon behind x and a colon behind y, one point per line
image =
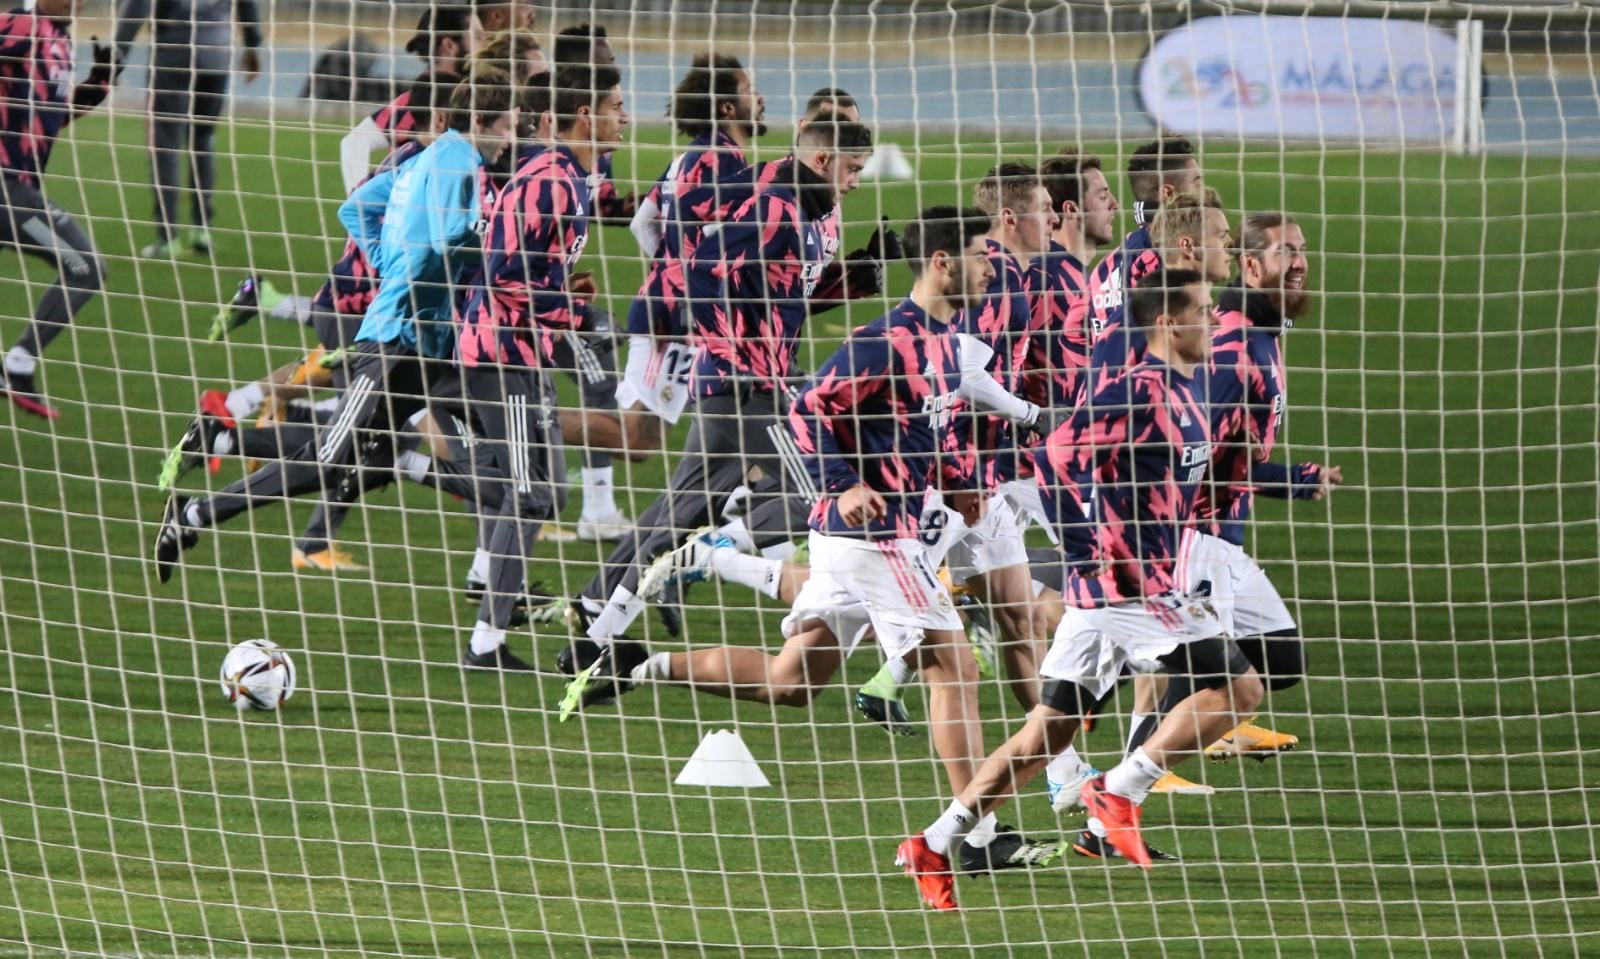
x: 1440, y: 800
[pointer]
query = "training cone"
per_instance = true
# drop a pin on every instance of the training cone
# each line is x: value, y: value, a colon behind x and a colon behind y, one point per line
x: 888, y: 162
x: 722, y: 759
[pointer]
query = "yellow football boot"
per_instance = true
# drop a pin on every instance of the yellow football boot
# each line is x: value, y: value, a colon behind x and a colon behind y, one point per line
x: 330, y: 560
x: 1248, y: 739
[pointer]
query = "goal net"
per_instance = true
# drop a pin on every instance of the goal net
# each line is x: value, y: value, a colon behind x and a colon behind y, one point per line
x: 1442, y: 161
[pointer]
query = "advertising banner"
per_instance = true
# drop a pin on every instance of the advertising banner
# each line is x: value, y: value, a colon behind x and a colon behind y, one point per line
x: 1304, y: 78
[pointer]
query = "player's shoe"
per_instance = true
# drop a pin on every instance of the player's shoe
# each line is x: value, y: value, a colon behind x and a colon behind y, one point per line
x: 1248, y: 739
x: 1090, y: 846
x: 879, y: 701
x: 502, y: 658
x: 253, y: 295
x: 329, y: 560
x: 536, y: 605
x: 1173, y: 784
x: 194, y: 448
x: 689, y: 563
x: 1008, y: 849
x: 173, y: 537
x: 577, y: 655
x: 984, y: 638
x: 161, y: 250
x: 889, y: 713
x: 605, y: 529
x: 1120, y: 817
x: 196, y: 240
x: 25, y: 395
x: 609, y: 676
x: 930, y: 869
x: 1066, y: 797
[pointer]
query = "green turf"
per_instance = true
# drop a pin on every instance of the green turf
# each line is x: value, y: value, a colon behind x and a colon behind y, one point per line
x: 1443, y: 803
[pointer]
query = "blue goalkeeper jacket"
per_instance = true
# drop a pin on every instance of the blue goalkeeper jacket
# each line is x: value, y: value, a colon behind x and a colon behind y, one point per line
x: 430, y: 208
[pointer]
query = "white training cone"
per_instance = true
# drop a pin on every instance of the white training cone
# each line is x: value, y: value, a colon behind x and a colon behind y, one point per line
x: 722, y: 759
x: 888, y: 162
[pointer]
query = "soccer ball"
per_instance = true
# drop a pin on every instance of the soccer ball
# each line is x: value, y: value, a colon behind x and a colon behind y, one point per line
x: 257, y: 675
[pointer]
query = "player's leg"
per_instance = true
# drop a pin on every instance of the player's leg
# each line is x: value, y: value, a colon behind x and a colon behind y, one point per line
x: 1225, y: 686
x: 524, y: 440
x: 169, y: 142
x: 379, y: 384
x: 589, y: 354
x: 210, y: 100
x: 727, y: 438
x: 1269, y: 637
x: 43, y: 230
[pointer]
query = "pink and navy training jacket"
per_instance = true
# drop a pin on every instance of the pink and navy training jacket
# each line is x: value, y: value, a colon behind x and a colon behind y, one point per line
x: 1122, y: 268
x: 688, y: 198
x: 536, y: 232
x: 1002, y: 322
x: 1143, y: 447
x: 396, y: 119
x: 37, y: 97
x: 1058, y: 350
x: 751, y: 278
x: 883, y: 411
x: 353, y: 281
x: 1248, y: 399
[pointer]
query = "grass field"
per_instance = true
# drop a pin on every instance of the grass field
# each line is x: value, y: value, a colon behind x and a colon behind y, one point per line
x: 1443, y: 802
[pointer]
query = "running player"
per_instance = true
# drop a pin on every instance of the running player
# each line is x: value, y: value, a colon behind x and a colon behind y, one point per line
x: 37, y: 100
x: 431, y: 209
x: 749, y: 285
x: 1157, y: 172
x: 1247, y: 394
x: 446, y: 35
x: 537, y: 232
x: 1143, y: 446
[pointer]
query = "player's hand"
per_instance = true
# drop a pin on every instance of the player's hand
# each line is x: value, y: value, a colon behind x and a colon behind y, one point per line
x: 1044, y: 422
x: 250, y: 63
x: 581, y: 284
x: 885, y: 244
x: 859, y: 505
x: 107, y: 66
x: 1330, y: 476
x: 970, y: 504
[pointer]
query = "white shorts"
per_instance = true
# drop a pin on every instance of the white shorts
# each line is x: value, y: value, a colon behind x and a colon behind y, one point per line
x: 656, y: 376
x: 1028, y: 500
x: 1251, y: 605
x: 1091, y: 645
x: 996, y: 542
x: 885, y: 586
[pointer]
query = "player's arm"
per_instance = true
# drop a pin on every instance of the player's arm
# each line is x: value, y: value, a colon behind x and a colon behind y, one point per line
x: 362, y: 211
x: 1073, y: 457
x: 646, y: 223
x: 980, y: 388
x: 859, y: 369
x: 544, y: 249
x: 356, y: 149
x: 1271, y: 479
x: 860, y: 274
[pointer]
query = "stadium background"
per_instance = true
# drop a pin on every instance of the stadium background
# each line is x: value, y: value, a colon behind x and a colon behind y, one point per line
x: 1443, y: 801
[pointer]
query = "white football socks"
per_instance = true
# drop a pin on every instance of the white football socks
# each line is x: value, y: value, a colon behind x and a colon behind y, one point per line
x: 479, y: 572
x: 245, y: 400
x: 486, y: 639
x: 414, y: 466
x: 983, y: 833
x: 947, y: 832
x: 738, y: 534
x: 1133, y: 777
x: 1135, y: 720
x: 759, y: 573
x: 658, y: 666
x: 620, y: 612
x: 1065, y: 766
x: 20, y: 361
x: 599, y: 492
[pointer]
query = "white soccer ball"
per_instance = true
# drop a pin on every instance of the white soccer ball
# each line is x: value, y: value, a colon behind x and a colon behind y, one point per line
x: 257, y: 675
